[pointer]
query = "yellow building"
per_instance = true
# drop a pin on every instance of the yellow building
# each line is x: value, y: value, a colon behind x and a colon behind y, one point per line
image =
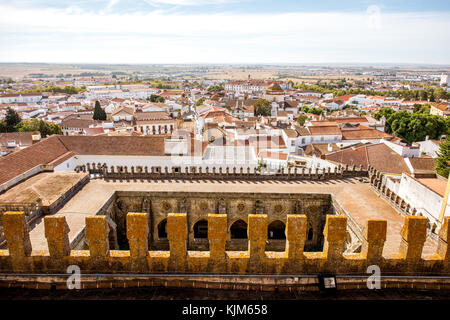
x: 274, y: 93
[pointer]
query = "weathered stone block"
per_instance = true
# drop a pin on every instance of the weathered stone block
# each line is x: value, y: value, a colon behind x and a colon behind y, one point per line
x: 57, y: 234
x: 335, y: 235
x: 137, y: 234
x: 97, y: 230
x: 376, y: 236
x: 176, y: 226
x: 414, y: 233
x: 16, y: 233
x: 443, y: 248
x: 295, y: 235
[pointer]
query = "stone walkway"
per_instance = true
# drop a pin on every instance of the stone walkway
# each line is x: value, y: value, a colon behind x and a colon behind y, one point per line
x: 357, y: 198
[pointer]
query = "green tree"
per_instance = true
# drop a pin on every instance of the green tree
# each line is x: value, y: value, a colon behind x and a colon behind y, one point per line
x: 416, y: 126
x: 12, y: 119
x: 386, y: 112
x: 301, y: 119
x: 443, y: 160
x: 215, y: 88
x: 43, y: 127
x: 262, y: 107
x: 156, y: 98
x: 99, y: 113
x: 200, y: 102
x: 425, y: 109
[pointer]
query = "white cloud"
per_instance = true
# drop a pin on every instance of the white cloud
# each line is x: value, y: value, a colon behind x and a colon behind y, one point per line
x: 189, y: 2
x: 111, y: 4
x: 62, y: 36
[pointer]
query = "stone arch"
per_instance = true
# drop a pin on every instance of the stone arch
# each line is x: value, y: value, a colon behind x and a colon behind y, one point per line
x: 238, y: 230
x: 276, y: 230
x: 201, y: 229
x: 162, y: 229
x: 310, y: 233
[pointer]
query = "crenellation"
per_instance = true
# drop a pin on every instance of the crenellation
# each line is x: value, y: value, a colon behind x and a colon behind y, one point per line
x: 16, y: 233
x: 413, y: 234
x: 137, y: 234
x: 443, y: 249
x: 255, y: 260
x: 97, y: 230
x: 376, y: 237
x: 296, y: 228
x: 335, y: 235
x: 57, y: 234
x: 177, y: 236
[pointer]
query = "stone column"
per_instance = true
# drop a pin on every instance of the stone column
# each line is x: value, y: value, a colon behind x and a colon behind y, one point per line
x: 97, y: 231
x: 57, y: 234
x: 177, y: 235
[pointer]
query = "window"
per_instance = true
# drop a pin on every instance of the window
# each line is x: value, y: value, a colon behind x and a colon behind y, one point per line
x: 310, y: 233
x: 162, y: 232
x: 276, y: 230
x: 201, y: 229
x: 238, y: 230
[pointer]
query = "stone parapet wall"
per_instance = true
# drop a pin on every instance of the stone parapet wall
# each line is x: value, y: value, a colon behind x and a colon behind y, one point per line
x: 20, y: 258
x: 193, y: 172
x: 228, y: 282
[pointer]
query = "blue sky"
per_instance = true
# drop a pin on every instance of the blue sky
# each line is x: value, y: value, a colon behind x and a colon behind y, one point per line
x: 225, y: 31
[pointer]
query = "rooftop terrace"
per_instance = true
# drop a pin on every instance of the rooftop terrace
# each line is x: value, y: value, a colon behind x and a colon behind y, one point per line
x: 357, y: 199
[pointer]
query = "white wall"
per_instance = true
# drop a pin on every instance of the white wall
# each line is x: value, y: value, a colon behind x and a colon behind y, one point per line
x: 423, y: 199
x: 149, y: 161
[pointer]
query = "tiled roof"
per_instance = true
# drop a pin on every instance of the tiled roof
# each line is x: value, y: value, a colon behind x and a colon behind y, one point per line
x: 423, y: 164
x: 21, y: 161
x: 23, y: 138
x: 152, y: 115
x: 363, y: 133
x: 434, y: 184
x: 324, y: 130
x: 273, y: 155
x: 379, y: 156
x: 115, y: 145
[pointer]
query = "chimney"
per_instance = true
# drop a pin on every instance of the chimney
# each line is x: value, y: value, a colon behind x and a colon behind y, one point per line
x: 35, y: 138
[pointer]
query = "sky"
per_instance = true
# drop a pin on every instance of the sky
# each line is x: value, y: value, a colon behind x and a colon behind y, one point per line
x: 225, y: 31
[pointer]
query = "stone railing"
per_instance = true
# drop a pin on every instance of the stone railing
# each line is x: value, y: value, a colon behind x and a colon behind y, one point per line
x: 100, y: 259
x: 32, y: 211
x: 376, y: 181
x: 193, y: 172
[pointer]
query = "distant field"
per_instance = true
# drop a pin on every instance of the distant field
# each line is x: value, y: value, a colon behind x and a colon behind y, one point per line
x: 199, y: 72
x: 22, y: 70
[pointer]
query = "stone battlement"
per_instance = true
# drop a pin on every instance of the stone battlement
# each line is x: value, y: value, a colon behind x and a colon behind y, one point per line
x: 194, y: 172
x: 256, y: 260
